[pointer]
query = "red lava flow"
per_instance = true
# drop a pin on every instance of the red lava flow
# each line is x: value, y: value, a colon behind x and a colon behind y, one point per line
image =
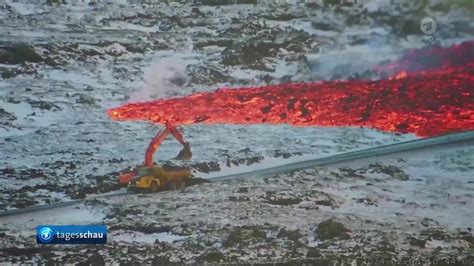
x: 431, y: 92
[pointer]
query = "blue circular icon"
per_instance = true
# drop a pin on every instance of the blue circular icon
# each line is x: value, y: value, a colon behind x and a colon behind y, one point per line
x: 45, y: 234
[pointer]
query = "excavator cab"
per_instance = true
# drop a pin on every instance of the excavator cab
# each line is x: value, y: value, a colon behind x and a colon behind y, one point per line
x: 156, y: 178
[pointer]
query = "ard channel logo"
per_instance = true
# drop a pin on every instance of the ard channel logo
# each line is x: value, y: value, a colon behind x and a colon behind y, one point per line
x: 71, y: 234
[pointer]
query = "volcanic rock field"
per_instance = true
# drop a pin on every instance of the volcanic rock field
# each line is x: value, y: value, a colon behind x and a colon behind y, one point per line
x: 64, y: 63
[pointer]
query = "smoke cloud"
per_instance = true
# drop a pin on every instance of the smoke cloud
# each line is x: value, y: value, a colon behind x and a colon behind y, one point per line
x: 164, y: 75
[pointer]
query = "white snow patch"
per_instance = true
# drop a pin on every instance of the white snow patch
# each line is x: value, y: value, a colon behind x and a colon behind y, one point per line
x: 79, y: 214
x: 121, y: 25
x: 22, y: 8
x: 138, y: 237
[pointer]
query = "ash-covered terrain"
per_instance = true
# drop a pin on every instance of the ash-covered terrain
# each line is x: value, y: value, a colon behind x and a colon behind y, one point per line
x: 63, y: 64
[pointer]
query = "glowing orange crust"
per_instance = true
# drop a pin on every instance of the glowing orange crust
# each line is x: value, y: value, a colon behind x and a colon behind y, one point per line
x: 431, y: 92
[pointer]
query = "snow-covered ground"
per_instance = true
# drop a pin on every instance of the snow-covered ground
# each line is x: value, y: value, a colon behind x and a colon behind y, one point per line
x: 63, y: 65
x: 398, y: 207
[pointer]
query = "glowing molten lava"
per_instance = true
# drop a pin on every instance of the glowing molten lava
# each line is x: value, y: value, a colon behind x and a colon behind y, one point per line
x: 433, y: 96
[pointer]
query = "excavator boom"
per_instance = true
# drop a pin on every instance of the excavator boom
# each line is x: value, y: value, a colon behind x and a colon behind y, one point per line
x: 153, y: 146
x: 160, y: 137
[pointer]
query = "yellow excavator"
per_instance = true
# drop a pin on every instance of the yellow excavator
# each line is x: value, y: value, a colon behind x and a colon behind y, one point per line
x: 153, y: 178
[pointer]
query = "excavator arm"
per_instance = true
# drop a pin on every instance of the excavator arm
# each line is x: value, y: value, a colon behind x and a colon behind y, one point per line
x: 185, y: 153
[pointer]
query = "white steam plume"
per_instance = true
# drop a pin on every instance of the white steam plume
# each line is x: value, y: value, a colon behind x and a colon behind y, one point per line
x: 165, y: 74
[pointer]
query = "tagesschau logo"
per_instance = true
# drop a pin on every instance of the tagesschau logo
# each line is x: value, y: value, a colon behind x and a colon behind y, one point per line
x: 71, y: 234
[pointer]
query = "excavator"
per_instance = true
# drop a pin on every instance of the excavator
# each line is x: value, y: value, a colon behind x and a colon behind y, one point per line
x: 152, y: 178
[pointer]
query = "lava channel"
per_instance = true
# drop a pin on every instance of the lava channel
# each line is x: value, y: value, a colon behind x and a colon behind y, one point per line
x: 431, y: 92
